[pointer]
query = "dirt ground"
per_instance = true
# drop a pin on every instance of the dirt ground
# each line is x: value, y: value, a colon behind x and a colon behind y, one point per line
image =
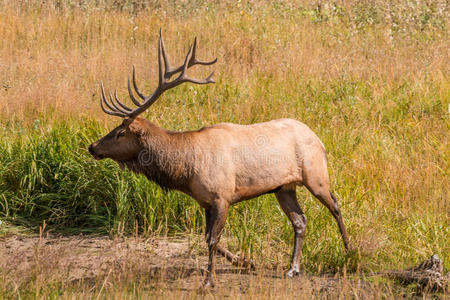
x: 176, y: 264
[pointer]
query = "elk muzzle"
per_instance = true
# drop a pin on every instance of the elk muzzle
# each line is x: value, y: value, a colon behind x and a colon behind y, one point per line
x: 93, y: 153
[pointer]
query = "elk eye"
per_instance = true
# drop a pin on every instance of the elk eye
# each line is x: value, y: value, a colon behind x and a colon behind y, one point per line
x: 121, y: 133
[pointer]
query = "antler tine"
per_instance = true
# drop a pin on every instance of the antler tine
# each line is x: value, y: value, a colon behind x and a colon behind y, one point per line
x: 117, y: 108
x: 186, y: 62
x: 103, y: 99
x: 184, y: 78
x: 194, y: 60
x: 162, y: 78
x: 126, y: 108
x: 108, y: 104
x: 194, y: 48
x: 201, y: 81
x: 130, y: 92
x: 142, y: 96
x: 167, y: 67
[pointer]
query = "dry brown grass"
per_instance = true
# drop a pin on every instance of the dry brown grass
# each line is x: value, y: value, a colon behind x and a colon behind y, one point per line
x: 54, y: 59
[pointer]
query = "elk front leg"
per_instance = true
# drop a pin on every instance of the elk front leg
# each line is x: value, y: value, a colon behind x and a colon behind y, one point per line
x: 289, y: 204
x: 233, y: 258
x: 215, y: 221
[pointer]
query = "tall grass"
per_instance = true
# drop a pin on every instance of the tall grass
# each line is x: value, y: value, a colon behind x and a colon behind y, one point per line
x: 370, y: 78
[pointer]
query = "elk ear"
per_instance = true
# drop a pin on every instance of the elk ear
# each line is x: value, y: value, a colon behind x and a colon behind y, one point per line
x: 136, y: 128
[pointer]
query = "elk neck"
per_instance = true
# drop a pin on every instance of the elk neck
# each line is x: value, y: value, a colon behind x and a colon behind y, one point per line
x: 167, y: 158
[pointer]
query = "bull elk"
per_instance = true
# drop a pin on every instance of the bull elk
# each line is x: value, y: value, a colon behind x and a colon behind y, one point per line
x: 219, y: 165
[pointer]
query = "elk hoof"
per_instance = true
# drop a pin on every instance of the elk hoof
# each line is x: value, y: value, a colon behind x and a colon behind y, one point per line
x: 207, y: 284
x: 204, y: 289
x: 245, y: 263
x: 251, y: 265
x: 291, y: 273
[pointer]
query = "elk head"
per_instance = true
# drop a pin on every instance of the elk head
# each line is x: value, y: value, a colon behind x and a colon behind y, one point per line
x: 124, y: 142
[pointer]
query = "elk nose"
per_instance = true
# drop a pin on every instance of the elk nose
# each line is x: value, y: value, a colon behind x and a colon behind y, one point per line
x: 91, y: 150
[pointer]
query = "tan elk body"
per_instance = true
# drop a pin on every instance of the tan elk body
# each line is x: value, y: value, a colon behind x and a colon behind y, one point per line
x: 222, y: 164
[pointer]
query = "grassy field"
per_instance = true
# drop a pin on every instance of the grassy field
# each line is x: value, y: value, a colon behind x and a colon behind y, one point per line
x: 369, y: 77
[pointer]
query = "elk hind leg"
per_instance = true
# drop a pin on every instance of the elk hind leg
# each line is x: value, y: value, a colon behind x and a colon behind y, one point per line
x: 288, y: 202
x: 321, y: 191
x: 235, y: 260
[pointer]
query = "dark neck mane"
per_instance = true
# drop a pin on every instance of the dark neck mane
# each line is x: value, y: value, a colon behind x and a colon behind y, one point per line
x: 166, y: 158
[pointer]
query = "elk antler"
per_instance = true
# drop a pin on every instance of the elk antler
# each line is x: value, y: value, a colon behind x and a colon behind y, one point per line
x: 116, y: 108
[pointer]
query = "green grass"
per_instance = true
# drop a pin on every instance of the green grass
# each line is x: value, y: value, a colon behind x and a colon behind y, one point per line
x: 48, y: 175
